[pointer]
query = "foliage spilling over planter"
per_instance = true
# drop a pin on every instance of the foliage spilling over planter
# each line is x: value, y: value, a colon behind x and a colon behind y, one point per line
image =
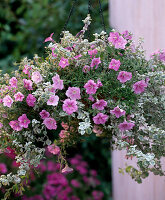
x: 105, y: 87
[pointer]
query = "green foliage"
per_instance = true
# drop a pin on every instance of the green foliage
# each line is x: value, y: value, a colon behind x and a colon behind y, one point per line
x: 25, y: 24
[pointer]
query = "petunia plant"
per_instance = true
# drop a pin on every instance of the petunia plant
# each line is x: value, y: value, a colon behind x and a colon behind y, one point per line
x: 104, y: 87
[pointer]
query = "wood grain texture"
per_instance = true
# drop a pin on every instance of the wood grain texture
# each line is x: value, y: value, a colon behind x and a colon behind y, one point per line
x: 144, y: 18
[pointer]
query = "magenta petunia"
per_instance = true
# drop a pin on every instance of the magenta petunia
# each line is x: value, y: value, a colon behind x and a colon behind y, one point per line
x: 73, y: 93
x: 1, y: 125
x: 15, y: 125
x: 30, y: 100
x: 3, y: 168
x: 49, y: 39
x: 100, y: 104
x: 125, y: 126
x: 50, y: 123
x: 124, y: 76
x: 92, y: 52
x: 86, y: 69
x: 54, y: 149
x: 63, y: 62
x: 13, y: 82
x: 91, y: 87
x: 99, y: 83
x: 69, y: 106
x: 19, y: 96
x: 117, y: 112
x: 120, y: 43
x: 28, y: 84
x: 7, y: 101
x: 57, y: 82
x: 100, y: 118
x: 44, y: 114
x: 23, y: 121
x: 53, y: 100
x: 27, y: 69
x: 113, y: 37
x: 91, y: 98
x: 95, y: 62
x: 36, y: 77
x: 114, y: 64
x: 127, y: 35
x: 139, y: 87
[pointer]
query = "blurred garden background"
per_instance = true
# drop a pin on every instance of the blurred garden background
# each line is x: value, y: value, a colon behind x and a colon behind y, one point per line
x: 24, y: 24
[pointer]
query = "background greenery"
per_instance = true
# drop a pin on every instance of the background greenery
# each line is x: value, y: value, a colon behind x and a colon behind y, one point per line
x: 24, y: 24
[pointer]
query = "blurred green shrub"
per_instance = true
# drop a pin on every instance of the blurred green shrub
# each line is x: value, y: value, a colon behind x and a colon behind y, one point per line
x: 25, y: 23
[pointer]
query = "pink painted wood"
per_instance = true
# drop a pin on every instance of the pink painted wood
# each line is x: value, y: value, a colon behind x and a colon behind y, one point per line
x: 144, y: 18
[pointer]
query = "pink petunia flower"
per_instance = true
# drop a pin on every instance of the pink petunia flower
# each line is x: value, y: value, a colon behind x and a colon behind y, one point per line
x: 126, y: 126
x: 91, y: 98
x: 124, y: 76
x: 113, y: 37
x: 70, y: 106
x: 15, y: 125
x: 92, y: 52
x: 7, y: 101
x: 36, y: 77
x: 139, y: 87
x: 73, y: 93
x: 13, y: 82
x: 99, y: 83
x: 54, y: 149
x: 63, y: 62
x: 3, y: 168
x: 100, y: 104
x: 30, y: 100
x: 114, y: 64
x: 98, y: 130
x: 49, y: 38
x: 120, y: 43
x: 91, y: 87
x: 57, y: 82
x: 44, y: 114
x: 86, y: 69
x: 67, y: 169
x: 53, y: 54
x: 127, y: 35
x: 53, y: 100
x: 95, y: 62
x: 19, y: 96
x: 28, y: 84
x: 117, y: 112
x: 27, y: 69
x: 100, y: 118
x: 1, y: 125
x: 24, y: 121
x: 50, y: 123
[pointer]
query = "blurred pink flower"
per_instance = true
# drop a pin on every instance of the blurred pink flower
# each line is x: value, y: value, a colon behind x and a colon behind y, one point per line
x: 67, y: 169
x: 63, y: 62
x: 100, y: 118
x: 7, y: 101
x: 54, y: 149
x: 113, y: 37
x: 44, y: 114
x: 53, y: 100
x: 114, y: 64
x: 1, y: 125
x: 28, y: 84
x: 139, y: 87
x: 95, y: 62
x: 27, y: 69
x: 86, y: 69
x: 23, y: 121
x: 99, y: 104
x: 75, y: 183
x: 92, y: 52
x: 99, y: 83
x: 126, y: 126
x: 3, y: 168
x: 19, y: 96
x: 13, y: 82
x: 50, y: 123
x: 127, y: 35
x: 30, y: 100
x: 98, y: 130
x: 124, y: 76
x: 36, y: 77
x: 73, y: 93
x: 117, y: 112
x: 49, y: 38
x: 69, y: 106
x: 57, y: 82
x: 91, y: 98
x: 15, y: 125
x: 91, y: 87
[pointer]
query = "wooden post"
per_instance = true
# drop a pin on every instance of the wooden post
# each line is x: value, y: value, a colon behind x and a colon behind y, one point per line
x: 144, y: 18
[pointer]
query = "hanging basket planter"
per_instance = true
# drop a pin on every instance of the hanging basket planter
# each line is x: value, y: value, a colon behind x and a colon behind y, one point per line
x: 104, y: 87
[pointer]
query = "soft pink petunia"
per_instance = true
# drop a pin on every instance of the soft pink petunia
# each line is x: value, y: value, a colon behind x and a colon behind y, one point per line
x: 100, y: 104
x: 95, y: 62
x: 126, y: 126
x: 28, y: 84
x: 27, y: 69
x: 120, y: 43
x: 7, y: 101
x: 1, y: 125
x: 50, y: 123
x: 36, y: 77
x: 97, y: 129
x: 86, y: 69
x: 23, y: 121
x: 15, y: 125
x: 127, y: 35
x: 91, y: 87
x: 91, y: 98
x: 44, y: 114
x: 57, y: 82
x: 49, y: 38
x: 99, y: 83
x: 63, y: 62
x: 113, y: 37
x: 53, y: 100
x: 13, y: 82
x: 73, y: 93
x: 92, y: 52
x: 69, y: 106
x: 53, y: 54
x: 100, y: 118
x: 19, y: 96
x: 3, y: 168
x: 67, y: 169
x: 124, y: 76
x: 54, y: 149
x: 30, y: 100
x: 117, y: 112
x: 114, y: 64
x: 139, y: 86
x: 77, y: 57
